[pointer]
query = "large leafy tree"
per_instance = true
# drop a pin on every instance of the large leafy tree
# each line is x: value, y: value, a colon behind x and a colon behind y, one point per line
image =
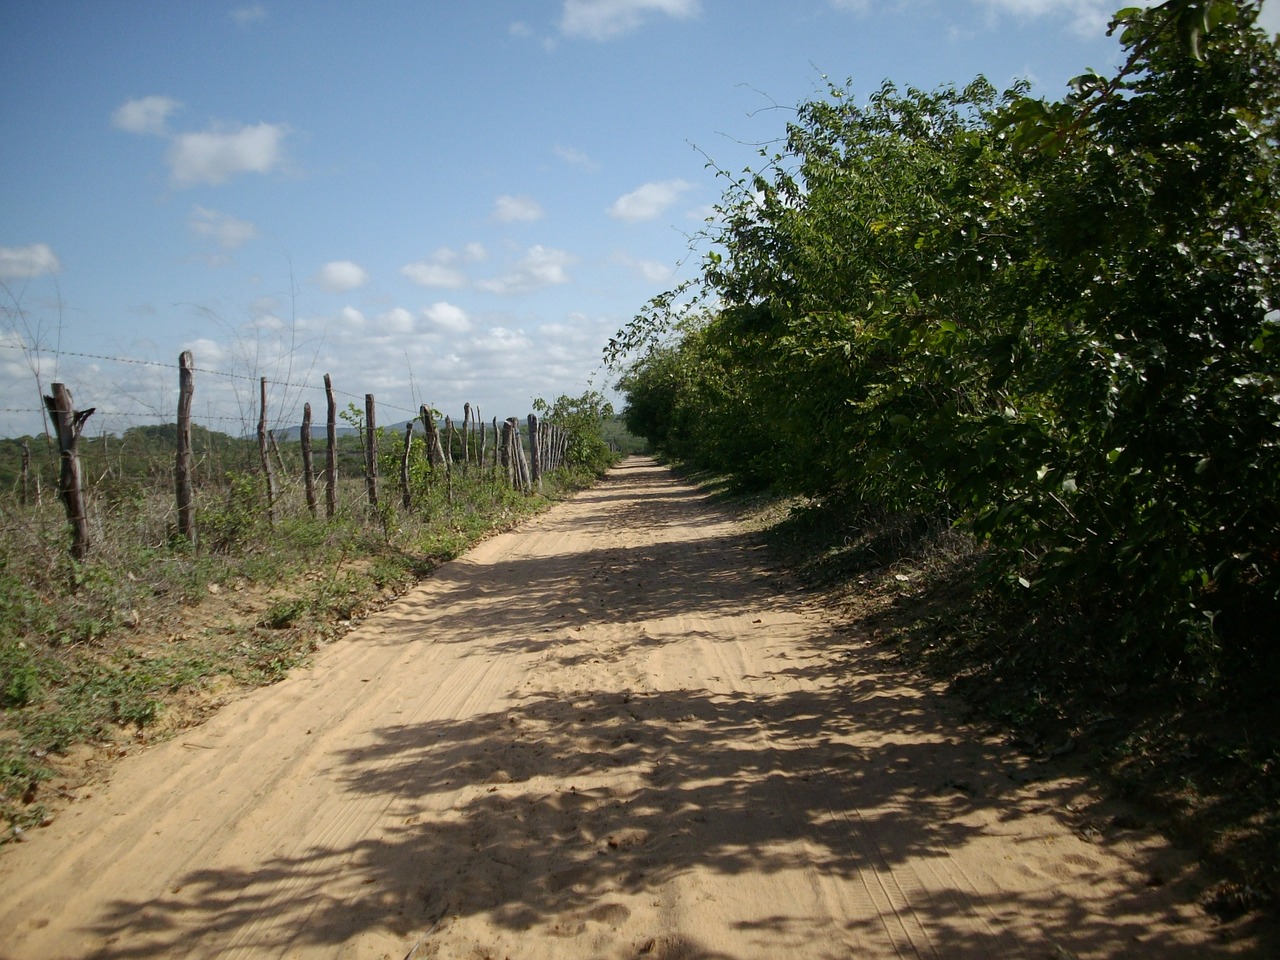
x: 1054, y: 321
x: 1156, y: 222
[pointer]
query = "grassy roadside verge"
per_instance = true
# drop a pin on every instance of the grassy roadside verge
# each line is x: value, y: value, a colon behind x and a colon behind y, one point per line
x: 145, y: 638
x: 1199, y: 762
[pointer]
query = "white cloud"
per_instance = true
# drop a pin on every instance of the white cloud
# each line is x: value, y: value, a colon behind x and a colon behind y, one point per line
x: 229, y: 232
x: 1088, y: 18
x: 247, y: 15
x: 208, y: 353
x: 648, y: 201
x: 444, y: 317
x: 427, y: 274
x: 26, y: 263
x: 1269, y: 19
x: 145, y: 115
x: 352, y: 317
x: 501, y: 342
x: 650, y: 271
x: 540, y: 267
x: 394, y: 322
x: 508, y: 209
x: 575, y: 158
x: 340, y: 276
x: 438, y: 270
x: 215, y: 156
x: 442, y: 269
x: 603, y: 19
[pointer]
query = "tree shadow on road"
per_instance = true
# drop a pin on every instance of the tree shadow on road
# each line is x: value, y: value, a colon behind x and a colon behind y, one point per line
x: 562, y: 806
x: 558, y: 807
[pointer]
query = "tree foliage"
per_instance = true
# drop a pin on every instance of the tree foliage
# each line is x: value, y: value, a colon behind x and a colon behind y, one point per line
x: 1055, y: 323
x: 583, y: 417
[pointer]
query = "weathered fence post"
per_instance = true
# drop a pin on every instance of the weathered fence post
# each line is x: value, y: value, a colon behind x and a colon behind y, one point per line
x: 448, y: 458
x: 331, y: 454
x: 308, y: 475
x: 435, y: 456
x: 406, y: 497
x: 69, y: 424
x: 480, y: 445
x: 264, y: 453
x: 466, y: 436
x: 26, y: 473
x: 183, y: 461
x: 371, y: 452
x: 507, y: 461
x: 517, y: 467
x: 275, y: 449
x: 535, y: 453
x: 497, y: 446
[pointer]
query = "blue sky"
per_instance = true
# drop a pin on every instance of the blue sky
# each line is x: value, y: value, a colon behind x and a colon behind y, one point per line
x: 432, y: 201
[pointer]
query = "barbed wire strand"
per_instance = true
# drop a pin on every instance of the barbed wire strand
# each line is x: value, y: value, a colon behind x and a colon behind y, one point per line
x: 215, y: 373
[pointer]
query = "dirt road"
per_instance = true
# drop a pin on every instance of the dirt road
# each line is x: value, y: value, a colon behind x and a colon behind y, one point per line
x: 613, y: 733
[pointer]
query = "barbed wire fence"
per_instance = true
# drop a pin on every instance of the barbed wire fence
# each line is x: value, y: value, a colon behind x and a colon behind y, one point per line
x: 503, y: 450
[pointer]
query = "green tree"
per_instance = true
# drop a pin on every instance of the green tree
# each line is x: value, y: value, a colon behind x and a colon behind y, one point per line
x: 1055, y: 322
x: 582, y: 417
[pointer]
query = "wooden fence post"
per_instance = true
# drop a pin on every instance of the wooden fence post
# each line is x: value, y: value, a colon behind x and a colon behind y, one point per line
x: 308, y: 475
x: 497, y: 445
x: 466, y: 436
x: 517, y: 466
x: 435, y: 453
x: 371, y: 452
x: 406, y: 498
x: 275, y: 449
x: 448, y: 458
x: 508, y: 462
x: 522, y: 462
x: 69, y: 424
x: 26, y: 473
x: 264, y: 453
x: 331, y: 454
x: 535, y: 453
x: 183, y: 462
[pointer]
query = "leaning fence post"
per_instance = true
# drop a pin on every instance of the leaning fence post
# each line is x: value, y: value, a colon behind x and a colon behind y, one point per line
x: 26, y: 473
x: 508, y: 462
x: 69, y: 424
x: 331, y: 454
x: 371, y: 452
x: 308, y: 477
x: 448, y: 458
x: 406, y: 497
x: 264, y: 453
x: 535, y: 453
x: 466, y: 436
x: 184, y: 460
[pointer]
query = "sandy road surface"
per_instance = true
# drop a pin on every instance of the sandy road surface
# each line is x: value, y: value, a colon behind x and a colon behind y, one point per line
x: 609, y: 734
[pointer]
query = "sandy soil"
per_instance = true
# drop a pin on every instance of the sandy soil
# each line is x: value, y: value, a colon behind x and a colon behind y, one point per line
x: 613, y: 733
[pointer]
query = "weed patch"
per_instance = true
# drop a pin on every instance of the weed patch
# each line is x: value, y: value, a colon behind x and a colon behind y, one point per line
x: 149, y: 634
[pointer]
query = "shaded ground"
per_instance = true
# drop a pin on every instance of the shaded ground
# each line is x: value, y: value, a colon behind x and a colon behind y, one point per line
x: 615, y: 732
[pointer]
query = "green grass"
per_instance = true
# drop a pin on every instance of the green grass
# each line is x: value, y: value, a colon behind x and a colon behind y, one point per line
x: 118, y: 648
